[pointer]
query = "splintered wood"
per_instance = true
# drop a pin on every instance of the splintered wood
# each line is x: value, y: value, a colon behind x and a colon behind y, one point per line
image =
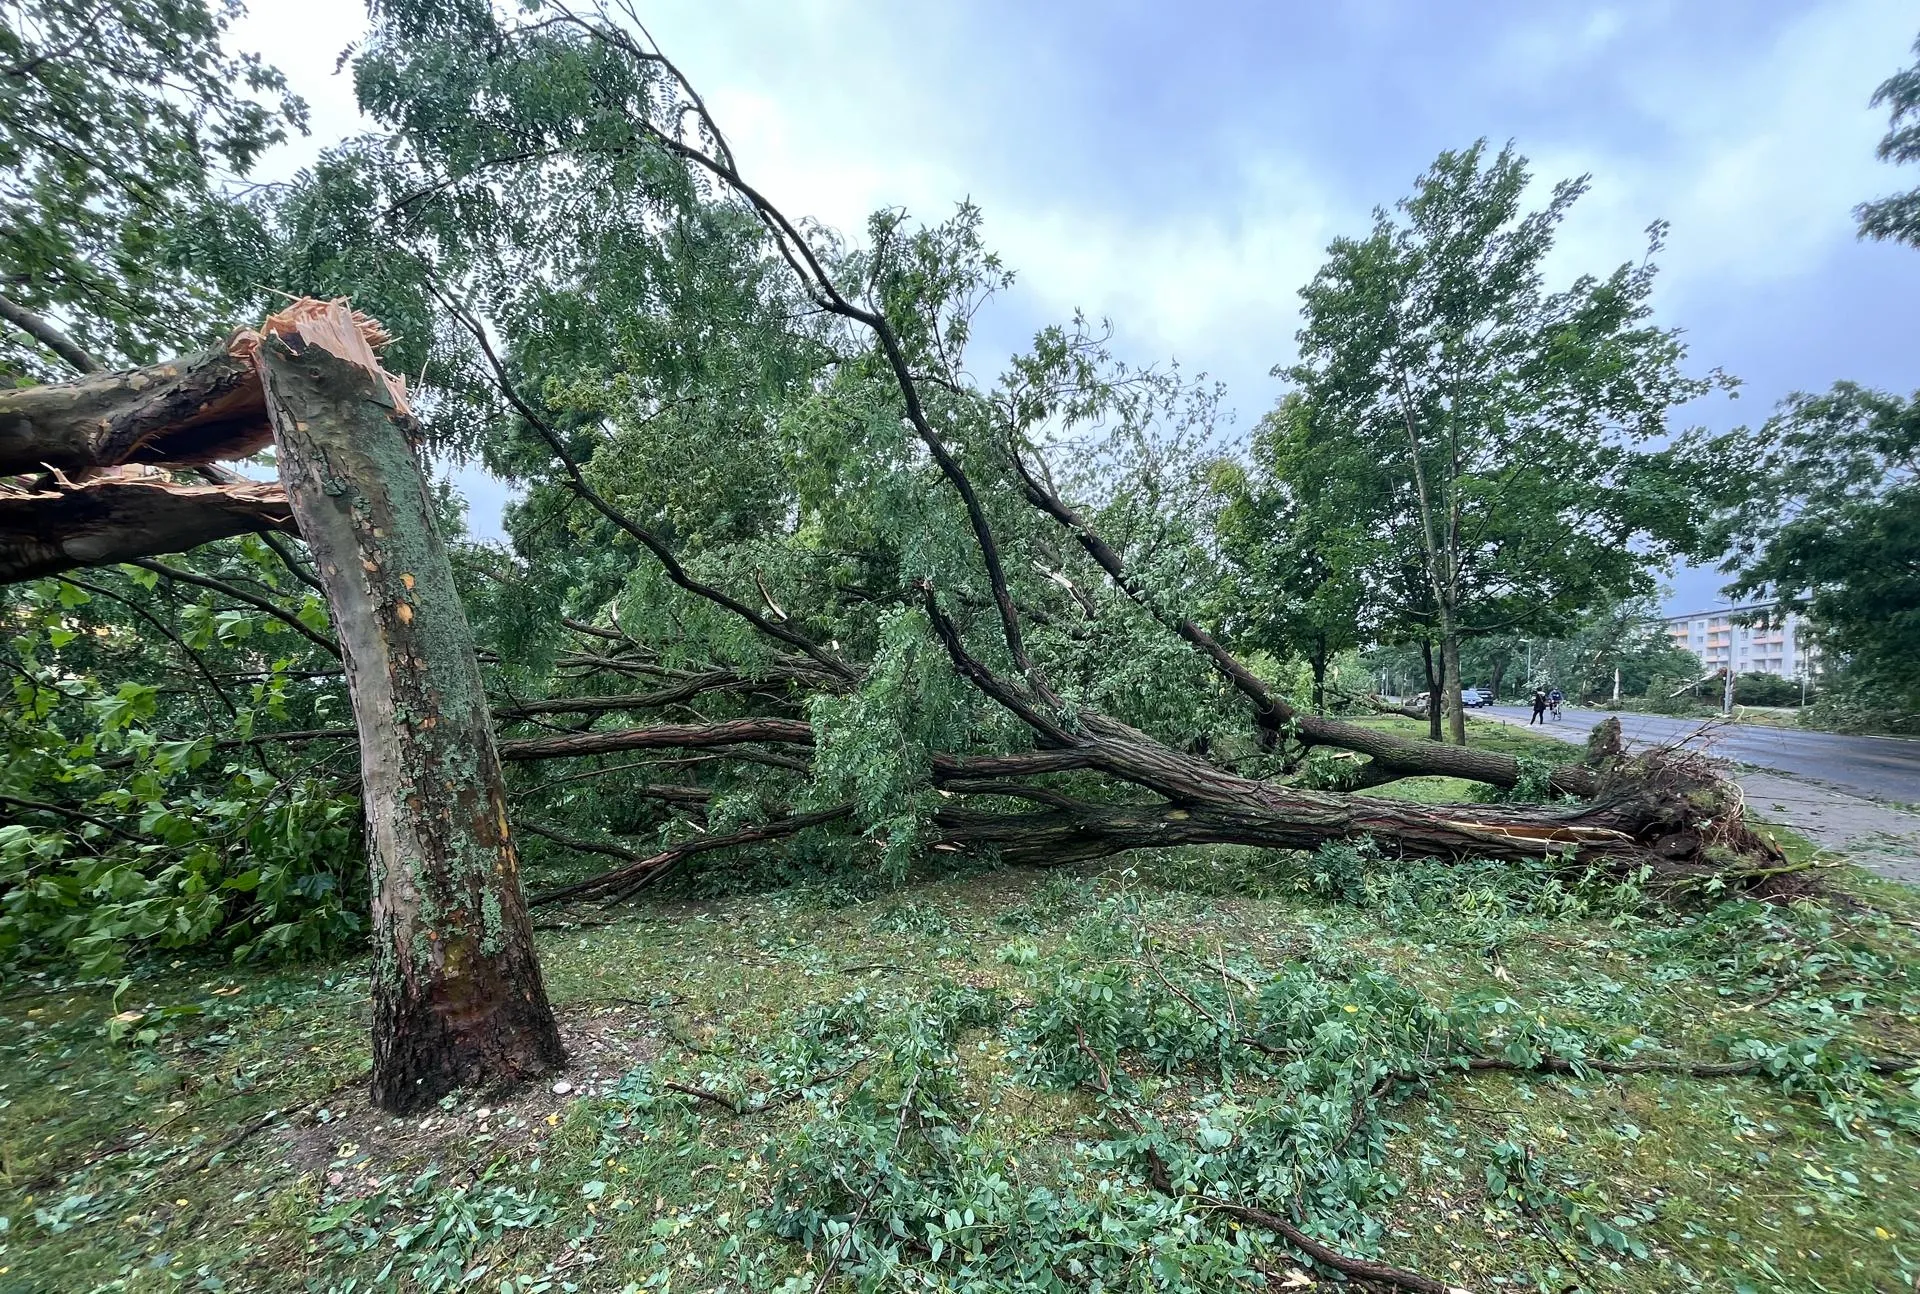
x: 335, y: 326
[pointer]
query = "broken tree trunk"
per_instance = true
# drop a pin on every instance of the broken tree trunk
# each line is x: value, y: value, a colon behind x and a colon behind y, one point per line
x: 93, y: 443
x: 121, y: 516
x: 457, y: 993
x: 194, y: 409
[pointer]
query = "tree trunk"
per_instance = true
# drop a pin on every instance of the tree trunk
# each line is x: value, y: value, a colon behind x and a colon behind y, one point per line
x: 1318, y: 660
x: 1456, y: 708
x: 116, y: 518
x: 1653, y: 822
x: 1434, y: 730
x: 1499, y: 673
x: 457, y: 993
x: 190, y: 410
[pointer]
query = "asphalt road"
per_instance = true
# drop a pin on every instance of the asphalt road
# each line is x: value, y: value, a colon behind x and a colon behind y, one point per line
x: 1886, y: 768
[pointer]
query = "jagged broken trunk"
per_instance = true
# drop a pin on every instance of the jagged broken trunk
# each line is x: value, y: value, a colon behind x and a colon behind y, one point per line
x: 457, y: 993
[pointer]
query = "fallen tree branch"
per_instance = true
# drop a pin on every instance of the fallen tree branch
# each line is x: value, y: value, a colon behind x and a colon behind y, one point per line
x: 1161, y: 1180
x: 622, y: 881
x: 580, y: 843
x: 194, y: 409
x: 1360, y: 1269
x: 69, y: 813
x: 969, y: 668
x: 1688, y: 1068
x: 577, y: 481
x: 709, y: 681
x: 120, y: 518
x: 702, y: 1094
x: 682, y: 736
x: 239, y: 594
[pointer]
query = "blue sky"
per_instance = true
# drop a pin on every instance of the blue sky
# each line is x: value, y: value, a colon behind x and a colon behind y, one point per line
x: 1180, y: 169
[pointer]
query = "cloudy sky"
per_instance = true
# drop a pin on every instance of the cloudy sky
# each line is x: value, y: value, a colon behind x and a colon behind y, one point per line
x: 1180, y: 169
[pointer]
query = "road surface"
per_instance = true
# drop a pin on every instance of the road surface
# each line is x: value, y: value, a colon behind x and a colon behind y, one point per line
x: 1846, y: 793
x: 1883, y: 768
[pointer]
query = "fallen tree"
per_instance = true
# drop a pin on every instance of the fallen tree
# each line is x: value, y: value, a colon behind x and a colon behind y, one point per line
x: 1027, y: 644
x: 836, y: 594
x: 932, y: 642
x: 120, y: 515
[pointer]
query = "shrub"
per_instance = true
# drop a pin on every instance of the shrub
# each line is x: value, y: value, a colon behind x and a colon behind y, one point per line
x: 1766, y: 689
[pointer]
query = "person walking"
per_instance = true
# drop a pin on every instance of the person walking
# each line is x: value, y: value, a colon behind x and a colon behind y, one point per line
x: 1539, y: 707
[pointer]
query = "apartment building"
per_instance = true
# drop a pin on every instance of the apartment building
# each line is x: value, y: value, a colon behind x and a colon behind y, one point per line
x: 1769, y: 645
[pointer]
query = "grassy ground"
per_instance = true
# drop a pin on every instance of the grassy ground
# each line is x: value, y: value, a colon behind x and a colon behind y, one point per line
x: 974, y: 1084
x: 1482, y: 734
x: 1765, y: 716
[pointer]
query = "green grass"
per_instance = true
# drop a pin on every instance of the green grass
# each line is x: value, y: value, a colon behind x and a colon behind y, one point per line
x: 824, y: 1021
x: 1482, y: 734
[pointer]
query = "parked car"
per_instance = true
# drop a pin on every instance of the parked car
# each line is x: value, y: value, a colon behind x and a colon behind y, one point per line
x: 1471, y: 697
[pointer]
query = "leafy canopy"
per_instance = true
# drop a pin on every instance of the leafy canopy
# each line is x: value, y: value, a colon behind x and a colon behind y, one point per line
x: 122, y: 124
x: 1470, y: 446
x: 1831, y: 526
x: 1898, y: 215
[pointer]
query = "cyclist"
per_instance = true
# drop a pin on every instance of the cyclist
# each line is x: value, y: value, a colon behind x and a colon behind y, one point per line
x: 1554, y: 698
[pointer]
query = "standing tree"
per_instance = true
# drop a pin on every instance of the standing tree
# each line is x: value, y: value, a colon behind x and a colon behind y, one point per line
x: 1503, y: 422
x: 457, y: 995
x: 120, y: 123
x: 1830, y: 526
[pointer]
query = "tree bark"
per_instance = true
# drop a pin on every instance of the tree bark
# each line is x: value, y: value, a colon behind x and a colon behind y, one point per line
x: 457, y: 992
x: 1434, y: 729
x: 117, y: 518
x: 1640, y: 822
x: 1453, y: 684
x: 666, y: 736
x: 195, y: 409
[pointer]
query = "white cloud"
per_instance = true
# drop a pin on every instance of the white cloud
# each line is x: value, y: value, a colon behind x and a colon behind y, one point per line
x: 1538, y: 55
x: 1757, y: 164
x: 305, y: 41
